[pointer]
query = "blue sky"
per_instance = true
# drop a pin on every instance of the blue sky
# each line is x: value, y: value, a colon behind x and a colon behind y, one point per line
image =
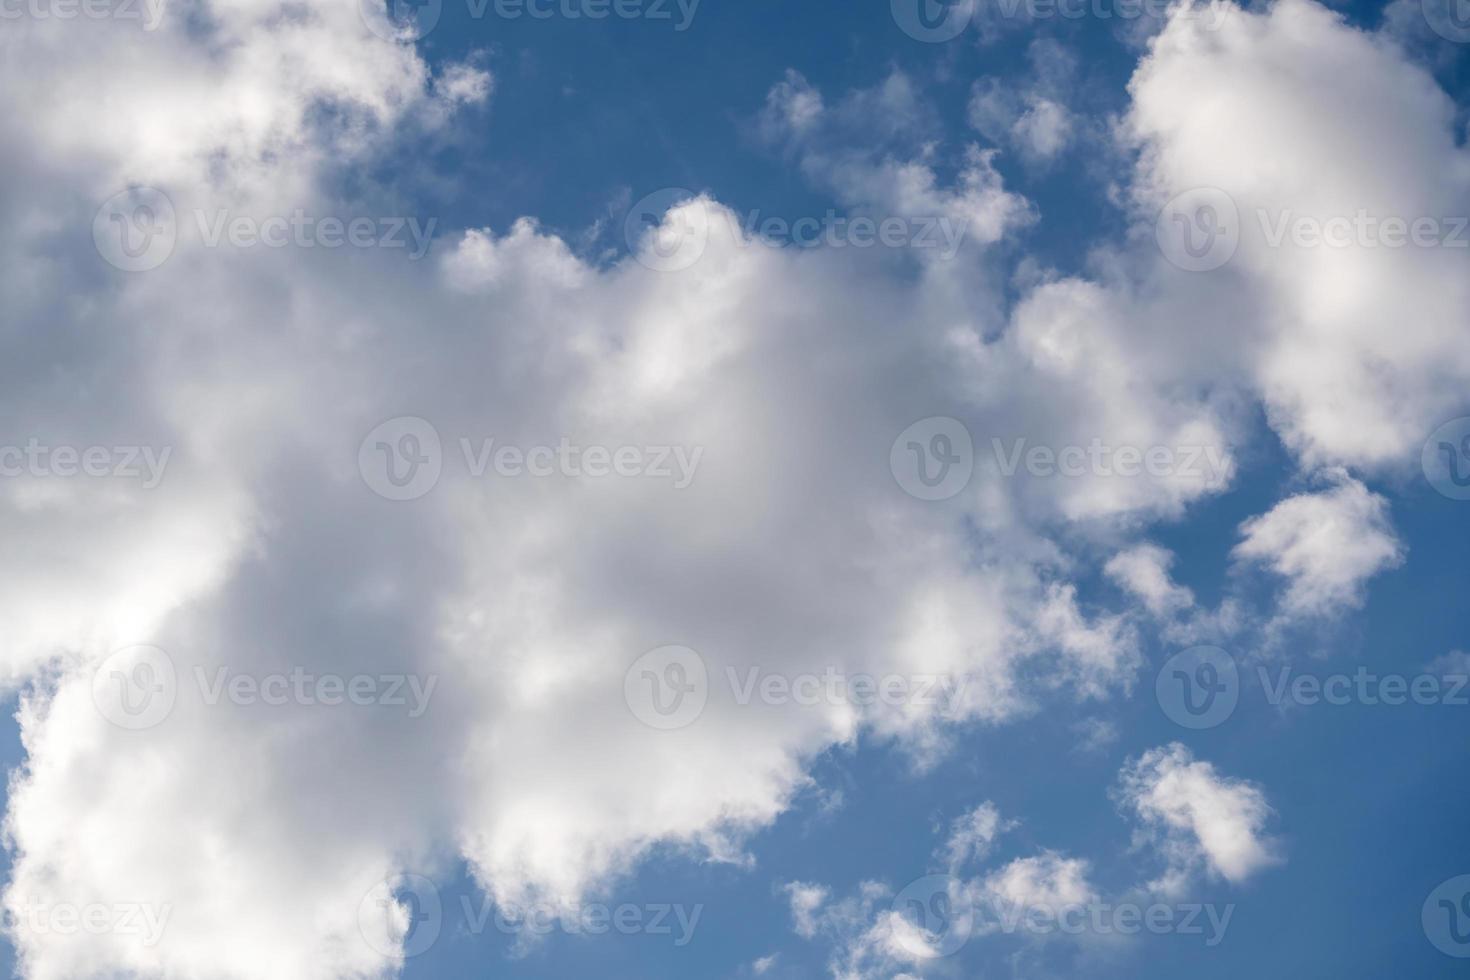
x: 322, y: 509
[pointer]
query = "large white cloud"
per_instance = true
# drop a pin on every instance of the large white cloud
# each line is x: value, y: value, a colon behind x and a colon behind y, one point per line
x: 793, y: 549
x: 1357, y: 349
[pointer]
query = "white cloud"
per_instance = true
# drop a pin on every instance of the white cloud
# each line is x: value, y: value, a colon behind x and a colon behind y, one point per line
x: 1196, y: 818
x: 1456, y: 663
x: 794, y: 549
x: 876, y: 934
x: 1326, y: 544
x: 1047, y: 881
x: 972, y: 834
x: 806, y: 902
x: 1143, y: 570
x: 868, y: 937
x: 1030, y: 114
x: 1208, y: 107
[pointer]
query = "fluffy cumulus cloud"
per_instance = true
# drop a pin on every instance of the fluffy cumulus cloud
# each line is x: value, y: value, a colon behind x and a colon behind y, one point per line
x: 1143, y: 570
x: 1291, y: 152
x: 1032, y: 118
x: 878, y: 931
x: 271, y: 546
x: 868, y: 933
x: 1197, y: 819
x: 1326, y: 544
x: 1047, y: 880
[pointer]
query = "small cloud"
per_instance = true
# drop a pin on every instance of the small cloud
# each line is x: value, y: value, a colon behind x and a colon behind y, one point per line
x: 1197, y: 818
